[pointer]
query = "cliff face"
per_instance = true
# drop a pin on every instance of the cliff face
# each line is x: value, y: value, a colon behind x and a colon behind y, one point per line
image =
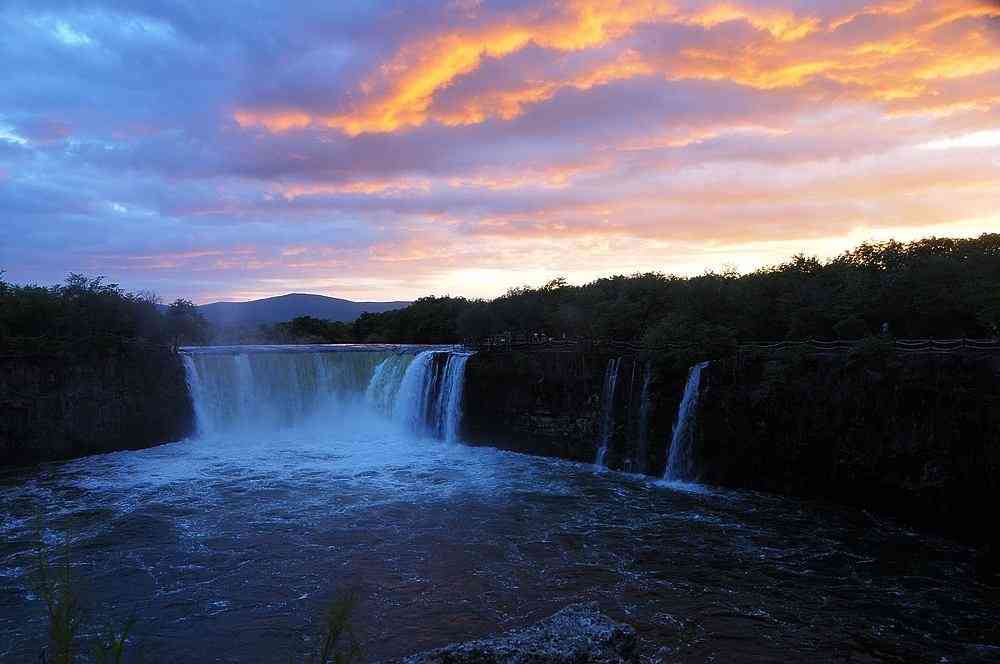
x: 913, y: 436
x: 62, y: 406
x: 555, y: 403
x: 538, y: 403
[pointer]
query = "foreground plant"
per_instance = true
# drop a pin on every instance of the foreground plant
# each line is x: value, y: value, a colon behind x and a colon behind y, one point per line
x: 111, y: 647
x: 64, y: 607
x: 60, y: 590
x: 338, y: 644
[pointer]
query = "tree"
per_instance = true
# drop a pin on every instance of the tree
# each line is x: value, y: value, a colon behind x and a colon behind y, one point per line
x: 185, y: 324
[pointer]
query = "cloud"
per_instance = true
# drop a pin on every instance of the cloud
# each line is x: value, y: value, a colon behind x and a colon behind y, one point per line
x: 387, y: 149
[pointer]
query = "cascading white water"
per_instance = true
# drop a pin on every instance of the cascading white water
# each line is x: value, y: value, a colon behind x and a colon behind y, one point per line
x: 410, y: 407
x: 429, y: 398
x: 268, y: 390
x: 384, y: 385
x: 245, y: 389
x: 249, y: 391
x: 680, y: 461
x: 607, y: 410
x: 195, y: 389
x: 449, y: 398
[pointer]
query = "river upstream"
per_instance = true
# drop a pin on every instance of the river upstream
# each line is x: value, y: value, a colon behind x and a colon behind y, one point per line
x: 312, y: 476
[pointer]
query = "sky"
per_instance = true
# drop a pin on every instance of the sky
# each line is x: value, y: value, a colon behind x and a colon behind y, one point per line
x: 390, y: 149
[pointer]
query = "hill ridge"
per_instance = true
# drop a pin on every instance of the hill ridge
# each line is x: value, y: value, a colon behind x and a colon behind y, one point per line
x: 281, y: 308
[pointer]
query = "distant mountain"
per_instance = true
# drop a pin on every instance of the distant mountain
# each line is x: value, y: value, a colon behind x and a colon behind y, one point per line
x: 286, y: 307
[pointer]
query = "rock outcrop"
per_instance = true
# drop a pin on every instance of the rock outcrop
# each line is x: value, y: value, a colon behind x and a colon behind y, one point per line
x: 578, y: 634
x: 913, y: 436
x: 62, y: 405
x: 549, y: 402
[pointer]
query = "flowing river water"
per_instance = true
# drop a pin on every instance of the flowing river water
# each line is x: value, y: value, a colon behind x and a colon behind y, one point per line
x: 227, y: 546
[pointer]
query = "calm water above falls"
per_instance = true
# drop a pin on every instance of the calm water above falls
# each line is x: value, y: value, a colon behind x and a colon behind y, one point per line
x: 225, y: 546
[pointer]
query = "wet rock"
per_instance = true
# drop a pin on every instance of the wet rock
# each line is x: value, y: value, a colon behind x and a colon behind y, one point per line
x: 578, y: 634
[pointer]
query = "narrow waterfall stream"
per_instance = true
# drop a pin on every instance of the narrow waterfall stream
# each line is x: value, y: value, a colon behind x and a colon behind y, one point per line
x: 640, y: 462
x: 680, y: 462
x: 607, y: 411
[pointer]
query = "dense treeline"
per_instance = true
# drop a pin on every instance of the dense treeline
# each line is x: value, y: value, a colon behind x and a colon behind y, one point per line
x: 92, y: 312
x: 941, y: 288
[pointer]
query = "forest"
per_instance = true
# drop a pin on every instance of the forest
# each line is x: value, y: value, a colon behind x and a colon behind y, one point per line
x: 88, y: 314
x: 931, y: 288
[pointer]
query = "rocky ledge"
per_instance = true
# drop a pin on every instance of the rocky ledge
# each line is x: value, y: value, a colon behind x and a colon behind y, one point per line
x: 578, y: 634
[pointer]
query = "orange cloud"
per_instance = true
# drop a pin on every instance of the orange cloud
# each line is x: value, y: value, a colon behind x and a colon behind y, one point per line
x: 783, y: 26
x: 275, y: 121
x: 422, y: 69
x: 791, y: 51
x: 891, y: 8
x: 375, y: 187
x: 508, y: 104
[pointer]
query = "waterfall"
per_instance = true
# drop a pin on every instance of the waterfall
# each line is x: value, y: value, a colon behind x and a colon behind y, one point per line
x: 410, y: 407
x: 449, y: 408
x: 429, y: 400
x: 642, y: 444
x: 607, y: 410
x: 385, y: 383
x: 680, y: 464
x: 275, y: 387
x: 196, y: 391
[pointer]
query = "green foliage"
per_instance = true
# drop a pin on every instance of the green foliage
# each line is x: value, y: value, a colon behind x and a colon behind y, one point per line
x: 185, y: 325
x: 678, y: 341
x: 110, y: 649
x: 937, y: 287
x: 60, y: 592
x: 852, y: 327
x: 83, y: 310
x: 306, y: 329
x: 337, y: 642
x: 428, y: 320
x: 942, y: 288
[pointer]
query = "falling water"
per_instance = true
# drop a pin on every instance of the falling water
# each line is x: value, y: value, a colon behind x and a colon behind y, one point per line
x: 449, y: 406
x: 384, y: 385
x: 413, y: 396
x: 607, y: 409
x: 198, y: 398
x: 642, y: 444
x: 429, y: 399
x: 283, y: 388
x: 680, y: 464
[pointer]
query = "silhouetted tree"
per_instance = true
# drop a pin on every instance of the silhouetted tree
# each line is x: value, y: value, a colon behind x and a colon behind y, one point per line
x: 185, y: 324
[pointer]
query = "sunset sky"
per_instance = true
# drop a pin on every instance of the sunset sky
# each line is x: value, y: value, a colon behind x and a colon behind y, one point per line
x: 387, y: 150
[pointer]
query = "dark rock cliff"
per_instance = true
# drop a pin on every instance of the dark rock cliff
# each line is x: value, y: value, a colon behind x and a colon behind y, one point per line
x: 62, y: 405
x: 550, y: 402
x: 912, y: 436
x: 915, y: 436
